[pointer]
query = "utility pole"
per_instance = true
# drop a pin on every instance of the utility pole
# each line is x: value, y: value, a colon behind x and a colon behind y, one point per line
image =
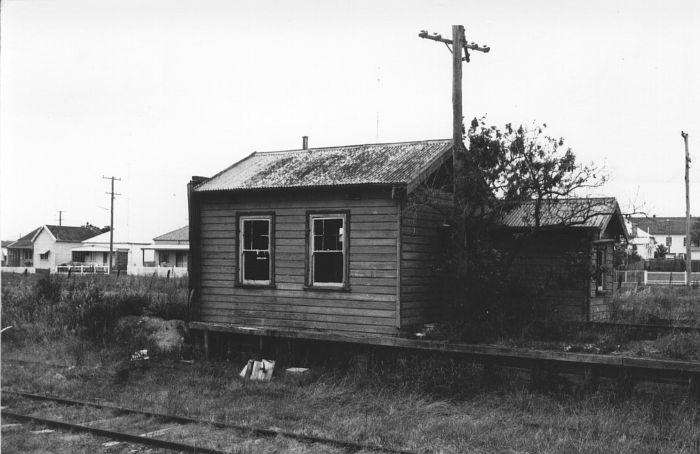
x: 111, y: 222
x: 688, y: 262
x: 60, y: 216
x: 459, y: 44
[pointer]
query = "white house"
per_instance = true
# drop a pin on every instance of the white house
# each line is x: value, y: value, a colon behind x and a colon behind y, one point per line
x: 94, y: 253
x: 669, y: 231
x: 168, y: 252
x: 51, y: 245
x: 641, y: 241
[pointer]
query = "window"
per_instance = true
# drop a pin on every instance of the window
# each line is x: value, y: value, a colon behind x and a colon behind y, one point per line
x: 255, y: 252
x: 328, y: 250
x: 600, y: 271
x: 164, y: 258
x: 669, y: 241
x: 44, y: 256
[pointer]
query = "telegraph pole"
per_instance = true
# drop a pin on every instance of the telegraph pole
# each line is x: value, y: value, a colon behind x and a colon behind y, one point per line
x: 111, y: 222
x: 688, y: 262
x: 459, y: 45
x: 60, y: 216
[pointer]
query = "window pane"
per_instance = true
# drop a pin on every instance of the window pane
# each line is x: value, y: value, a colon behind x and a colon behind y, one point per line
x: 247, y: 235
x: 261, y: 234
x: 328, y: 235
x: 256, y: 266
x: 328, y: 267
x: 256, y: 234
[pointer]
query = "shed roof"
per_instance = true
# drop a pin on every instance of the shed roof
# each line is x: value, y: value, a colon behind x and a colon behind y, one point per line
x: 181, y: 234
x: 400, y: 163
x: 663, y: 225
x: 588, y: 212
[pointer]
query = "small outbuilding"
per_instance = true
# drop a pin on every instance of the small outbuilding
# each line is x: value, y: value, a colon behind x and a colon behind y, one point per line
x: 566, y: 251
x: 318, y: 239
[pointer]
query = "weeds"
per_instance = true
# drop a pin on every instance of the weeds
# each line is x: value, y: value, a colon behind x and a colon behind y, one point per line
x: 43, y: 308
x: 657, y: 304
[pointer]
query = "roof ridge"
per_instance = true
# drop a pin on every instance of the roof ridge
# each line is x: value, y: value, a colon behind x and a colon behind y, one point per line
x: 349, y: 146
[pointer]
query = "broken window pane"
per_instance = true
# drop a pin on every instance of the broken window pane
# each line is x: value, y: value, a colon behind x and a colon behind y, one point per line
x: 328, y: 234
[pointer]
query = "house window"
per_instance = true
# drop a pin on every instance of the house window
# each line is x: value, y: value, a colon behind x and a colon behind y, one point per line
x: 164, y: 258
x: 44, y: 256
x: 255, y: 255
x: 669, y: 241
x: 328, y: 250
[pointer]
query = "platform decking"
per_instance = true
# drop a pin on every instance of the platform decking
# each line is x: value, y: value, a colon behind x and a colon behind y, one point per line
x: 608, y: 365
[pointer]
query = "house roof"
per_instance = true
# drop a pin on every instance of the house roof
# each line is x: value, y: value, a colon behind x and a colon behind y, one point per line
x: 595, y: 213
x: 400, y: 163
x: 25, y: 242
x: 181, y: 234
x: 70, y: 234
x: 6, y: 243
x: 663, y: 225
x: 118, y: 238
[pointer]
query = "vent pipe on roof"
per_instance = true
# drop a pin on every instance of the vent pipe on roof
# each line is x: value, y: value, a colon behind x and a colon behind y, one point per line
x: 305, y: 142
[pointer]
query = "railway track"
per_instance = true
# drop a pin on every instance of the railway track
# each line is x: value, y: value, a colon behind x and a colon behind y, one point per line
x: 130, y: 425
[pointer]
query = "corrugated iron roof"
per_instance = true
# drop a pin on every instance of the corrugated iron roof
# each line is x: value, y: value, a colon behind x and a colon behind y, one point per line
x: 663, y: 225
x: 573, y: 212
x: 390, y: 163
x: 181, y: 234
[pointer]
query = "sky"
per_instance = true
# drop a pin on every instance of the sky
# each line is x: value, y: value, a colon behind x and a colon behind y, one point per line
x: 154, y: 92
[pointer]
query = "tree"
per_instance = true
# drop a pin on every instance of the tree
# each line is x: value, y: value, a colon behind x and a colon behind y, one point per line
x: 660, y: 251
x: 508, y: 169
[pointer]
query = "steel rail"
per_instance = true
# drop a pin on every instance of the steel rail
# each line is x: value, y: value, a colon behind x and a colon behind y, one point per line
x: 348, y: 445
x: 121, y: 436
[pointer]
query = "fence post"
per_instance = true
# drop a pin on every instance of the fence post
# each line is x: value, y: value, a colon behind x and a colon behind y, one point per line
x: 645, y: 277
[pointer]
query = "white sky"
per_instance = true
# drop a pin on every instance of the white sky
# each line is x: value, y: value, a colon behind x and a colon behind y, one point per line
x: 157, y: 91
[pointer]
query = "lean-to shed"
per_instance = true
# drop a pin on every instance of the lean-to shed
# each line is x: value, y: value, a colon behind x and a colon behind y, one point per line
x: 567, y: 251
x: 318, y: 239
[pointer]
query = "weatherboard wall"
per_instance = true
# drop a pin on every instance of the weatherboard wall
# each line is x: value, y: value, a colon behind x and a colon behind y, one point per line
x: 422, y: 244
x: 367, y: 306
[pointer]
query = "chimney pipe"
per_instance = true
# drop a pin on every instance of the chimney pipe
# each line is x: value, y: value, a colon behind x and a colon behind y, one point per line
x: 305, y: 142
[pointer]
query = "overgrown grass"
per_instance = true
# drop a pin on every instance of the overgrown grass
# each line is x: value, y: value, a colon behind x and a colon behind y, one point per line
x: 409, y: 402
x: 44, y: 308
x: 658, y: 304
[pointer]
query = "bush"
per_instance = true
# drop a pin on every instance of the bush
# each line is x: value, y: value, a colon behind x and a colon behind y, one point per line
x: 684, y: 346
x: 44, y: 307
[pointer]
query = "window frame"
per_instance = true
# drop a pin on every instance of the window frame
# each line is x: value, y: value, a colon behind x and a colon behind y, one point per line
x: 268, y: 216
x: 44, y: 256
x: 312, y: 215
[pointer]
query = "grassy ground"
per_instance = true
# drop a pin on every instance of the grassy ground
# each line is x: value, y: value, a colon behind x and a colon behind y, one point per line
x: 653, y: 304
x: 428, y: 403
x: 446, y: 407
